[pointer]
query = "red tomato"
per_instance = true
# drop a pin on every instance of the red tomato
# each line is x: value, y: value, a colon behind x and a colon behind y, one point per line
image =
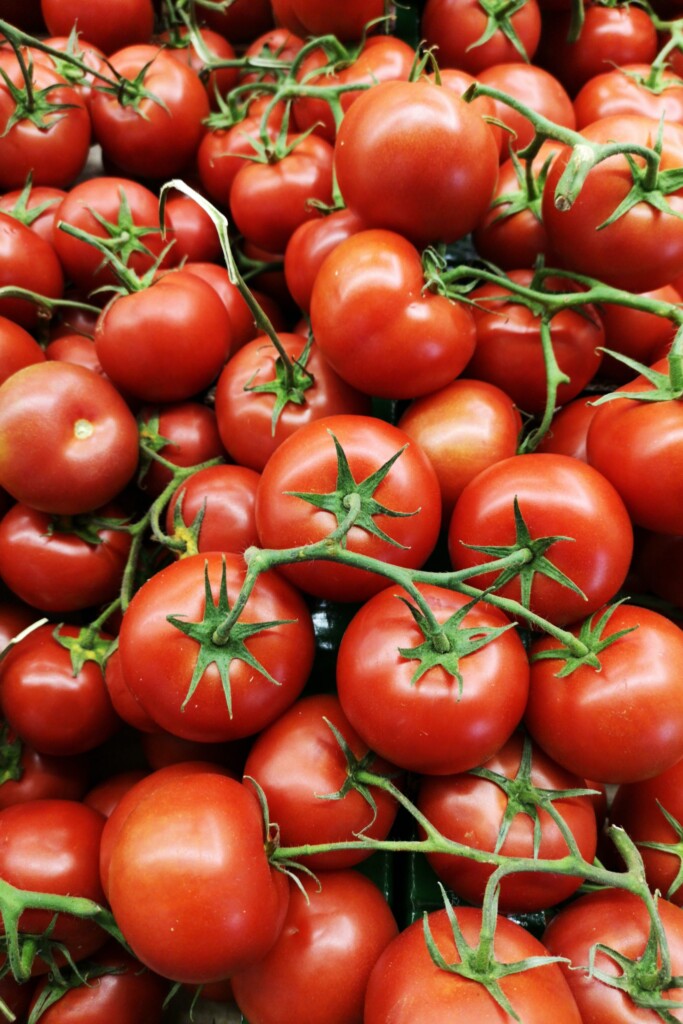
x: 224, y: 888
x: 222, y: 153
x: 194, y: 233
x: 225, y: 497
x: 245, y: 417
x: 133, y: 22
x: 298, y: 763
x: 28, y: 775
x: 470, y: 810
x: 242, y: 20
x: 55, y: 707
x: 435, y: 718
x: 459, y: 81
x: 242, y: 324
x: 622, y: 722
x: 83, y: 81
x: 125, y: 703
x: 569, y: 429
x: 68, y: 441
x: 459, y: 30
x: 183, y: 433
x: 388, y: 171
x: 346, y: 19
x: 537, y: 89
x: 106, y: 795
x: 407, y: 987
x: 62, y: 564
x: 18, y: 348
x: 338, y: 929
x: 635, y: 333
x: 421, y: 347
x: 217, y: 49
x: 308, y: 247
x: 75, y: 348
x: 620, y: 921
x: 35, y: 208
x: 623, y: 90
x: 27, y: 261
x: 160, y: 660
x: 307, y: 461
x: 560, y: 497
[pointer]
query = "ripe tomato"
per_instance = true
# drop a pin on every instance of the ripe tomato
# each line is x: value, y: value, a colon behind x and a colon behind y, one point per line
x: 35, y: 207
x: 18, y: 348
x: 534, y: 87
x: 622, y: 722
x: 28, y: 775
x: 346, y: 19
x: 68, y: 441
x: 421, y: 347
x: 560, y: 497
x: 27, y: 261
x: 623, y: 90
x: 180, y: 45
x: 338, y: 928
x: 309, y: 245
x: 133, y: 23
x: 635, y: 333
x: 460, y: 31
x: 224, y: 887
x: 407, y: 987
x: 438, y: 718
x: 307, y: 461
x: 222, y: 153
x: 569, y: 429
x: 225, y: 496
x: 387, y: 166
x: 160, y: 661
x: 183, y: 433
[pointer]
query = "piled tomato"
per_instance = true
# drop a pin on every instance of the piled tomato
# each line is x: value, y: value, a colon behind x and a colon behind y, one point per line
x: 341, y: 462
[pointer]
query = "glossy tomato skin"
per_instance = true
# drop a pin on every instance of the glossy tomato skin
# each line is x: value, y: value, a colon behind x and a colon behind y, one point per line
x: 297, y: 761
x: 457, y: 26
x: 407, y: 987
x: 413, y: 158
x: 569, y: 429
x: 133, y: 23
x: 53, y: 708
x: 619, y: 91
x: 558, y: 496
x: 18, y: 348
x: 620, y: 921
x: 42, y: 777
x: 307, y: 461
x: 470, y: 809
x: 191, y: 434
x: 426, y: 724
x: 48, y: 565
x: 624, y: 722
x: 27, y: 261
x: 158, y: 659
x: 423, y: 346
x: 309, y: 245
x: 245, y: 418
x: 37, y: 210
x: 167, y: 342
x: 225, y: 888
x: 228, y: 496
x: 68, y: 441
x: 346, y: 19
x: 337, y: 929
x: 52, y: 846
x: 534, y: 87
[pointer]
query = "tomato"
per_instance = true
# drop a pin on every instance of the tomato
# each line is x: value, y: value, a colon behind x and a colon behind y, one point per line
x: 35, y: 207
x: 160, y: 660
x: 388, y: 170
x: 57, y: 707
x: 421, y: 347
x: 338, y: 929
x: 183, y: 433
x: 52, y: 846
x: 463, y: 427
x: 658, y: 563
x: 642, y: 249
x: 242, y: 20
x: 245, y: 417
x: 104, y: 796
x: 635, y: 333
x: 648, y: 439
x: 219, y: 81
x: 569, y: 429
x: 224, y: 888
x: 125, y: 703
x: 133, y: 23
x: 194, y: 233
x: 299, y: 764
x: 620, y: 921
x: 156, y: 137
x: 225, y: 497
x: 470, y: 810
x: 14, y: 618
x: 438, y: 718
x: 166, y: 342
x: 61, y: 564
x: 407, y: 987
x: 68, y: 441
x: 459, y: 29
x: 222, y: 153
x: 623, y: 90
x: 268, y: 201
x: 27, y: 261
x: 534, y: 87
x: 621, y: 722
x: 558, y: 497
x: 309, y: 245
x: 242, y: 324
x: 83, y: 81
x: 307, y: 462
x: 75, y: 348
x: 26, y: 775
x: 346, y: 19
x: 18, y: 348
x: 459, y: 81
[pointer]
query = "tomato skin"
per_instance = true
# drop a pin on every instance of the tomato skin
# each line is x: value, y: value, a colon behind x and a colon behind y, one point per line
x: 338, y: 930
x: 307, y: 461
x: 229, y: 493
x: 296, y: 760
x: 220, y: 80
x: 222, y: 153
x: 536, y: 88
x: 616, y: 91
x: 470, y: 810
x: 44, y: 777
x: 50, y: 567
x: 191, y: 432
x: 167, y: 342
x: 104, y: 796
x: 133, y: 23
x: 40, y: 221
x: 55, y: 710
x: 125, y: 703
x: 424, y: 726
x: 558, y: 496
x: 346, y: 19
x: 75, y: 348
x: 455, y: 26
x: 425, y: 343
x: 309, y: 245
x: 464, y: 427
x: 620, y: 724
x: 27, y: 261
x: 68, y: 441
x: 225, y: 888
x: 18, y: 349
x: 413, y: 158
x: 620, y: 921
x: 158, y: 659
x: 195, y: 235
x: 635, y: 333
x: 569, y: 429
x: 245, y: 418
x: 407, y: 987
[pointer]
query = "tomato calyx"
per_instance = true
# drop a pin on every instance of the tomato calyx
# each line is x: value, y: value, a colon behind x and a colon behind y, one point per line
x: 21, y: 210
x: 71, y: 977
x: 358, y: 772
x: 31, y: 104
x: 529, y: 195
x: 289, y: 385
x: 499, y: 14
x: 123, y: 241
x: 591, y: 636
x: 353, y: 503
x: 446, y: 646
x: 11, y: 747
x: 151, y: 442
x: 185, y: 537
x: 220, y: 645
x: 130, y: 92
x: 87, y: 528
x: 87, y: 645
x: 674, y: 848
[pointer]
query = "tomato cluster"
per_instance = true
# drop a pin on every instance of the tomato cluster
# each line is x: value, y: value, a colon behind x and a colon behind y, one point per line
x: 341, y: 451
